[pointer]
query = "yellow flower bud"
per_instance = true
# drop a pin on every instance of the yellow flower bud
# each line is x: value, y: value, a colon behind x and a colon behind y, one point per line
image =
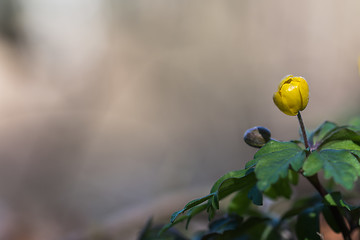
x: 292, y: 95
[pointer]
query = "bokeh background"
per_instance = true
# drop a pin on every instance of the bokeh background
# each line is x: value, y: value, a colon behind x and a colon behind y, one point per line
x: 115, y: 111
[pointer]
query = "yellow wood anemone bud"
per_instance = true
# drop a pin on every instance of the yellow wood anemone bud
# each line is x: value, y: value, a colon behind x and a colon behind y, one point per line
x: 292, y: 95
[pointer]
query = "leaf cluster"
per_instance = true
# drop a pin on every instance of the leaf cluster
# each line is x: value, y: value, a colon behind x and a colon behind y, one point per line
x: 334, y: 151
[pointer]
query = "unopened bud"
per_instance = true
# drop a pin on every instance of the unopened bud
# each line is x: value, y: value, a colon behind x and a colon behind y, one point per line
x: 292, y: 95
x: 257, y: 136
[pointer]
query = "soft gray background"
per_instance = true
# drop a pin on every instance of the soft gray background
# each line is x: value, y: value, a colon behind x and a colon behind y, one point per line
x: 108, y: 109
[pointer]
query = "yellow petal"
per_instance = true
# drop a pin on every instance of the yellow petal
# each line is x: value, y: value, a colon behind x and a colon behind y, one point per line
x: 291, y: 93
x: 284, y: 80
x: 281, y: 102
x: 278, y: 101
x: 291, y: 101
x: 304, y: 92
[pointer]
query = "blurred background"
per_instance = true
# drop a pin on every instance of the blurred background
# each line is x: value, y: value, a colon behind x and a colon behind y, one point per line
x: 115, y: 111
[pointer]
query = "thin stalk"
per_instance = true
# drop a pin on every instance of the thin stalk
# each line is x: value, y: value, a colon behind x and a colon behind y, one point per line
x: 314, y: 180
x: 303, y: 131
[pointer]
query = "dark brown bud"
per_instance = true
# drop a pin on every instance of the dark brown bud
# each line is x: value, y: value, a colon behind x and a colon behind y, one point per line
x: 257, y: 136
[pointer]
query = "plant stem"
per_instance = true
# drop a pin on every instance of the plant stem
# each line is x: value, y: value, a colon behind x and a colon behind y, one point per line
x: 314, y: 180
x: 303, y: 131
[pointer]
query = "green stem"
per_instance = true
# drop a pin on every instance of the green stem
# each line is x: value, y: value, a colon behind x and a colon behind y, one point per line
x: 314, y: 180
x: 303, y: 131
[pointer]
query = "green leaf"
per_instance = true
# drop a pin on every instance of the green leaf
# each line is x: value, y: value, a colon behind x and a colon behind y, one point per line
x: 293, y: 177
x: 239, y: 204
x: 251, y: 163
x: 308, y: 225
x: 329, y: 131
x: 354, y: 123
x: 255, y: 196
x: 279, y: 189
x: 336, y: 199
x: 340, y: 165
x: 274, y: 160
x: 190, y: 205
x: 300, y: 205
x: 231, y: 182
x: 317, y: 135
x: 229, y: 229
x: 343, y: 145
x: 233, y: 174
x: 188, y: 216
x: 150, y: 232
x: 273, y: 147
x: 257, y: 228
x: 340, y: 133
x: 224, y: 224
x: 243, y: 182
